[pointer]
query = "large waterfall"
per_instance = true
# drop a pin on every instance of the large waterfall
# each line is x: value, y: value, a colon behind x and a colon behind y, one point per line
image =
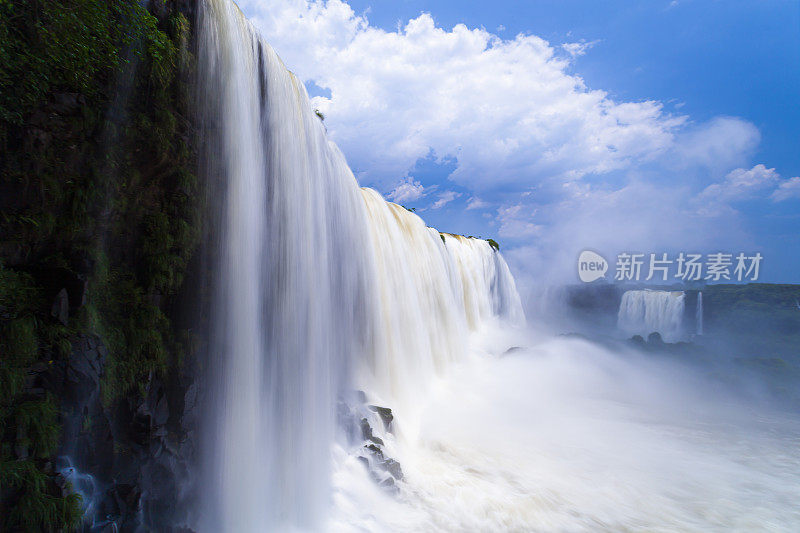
x: 321, y: 287
x: 642, y: 312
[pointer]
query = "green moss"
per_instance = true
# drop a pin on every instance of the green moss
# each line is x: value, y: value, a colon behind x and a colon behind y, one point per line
x: 95, y: 128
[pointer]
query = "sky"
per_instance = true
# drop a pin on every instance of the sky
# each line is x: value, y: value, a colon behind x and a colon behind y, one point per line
x: 556, y: 126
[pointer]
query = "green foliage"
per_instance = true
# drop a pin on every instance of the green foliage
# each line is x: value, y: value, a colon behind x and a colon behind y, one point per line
x: 37, y: 430
x: 97, y: 179
x: 19, y: 343
x: 493, y: 244
x: 37, y: 507
x: 135, y: 331
x: 57, y: 46
x: 28, y: 424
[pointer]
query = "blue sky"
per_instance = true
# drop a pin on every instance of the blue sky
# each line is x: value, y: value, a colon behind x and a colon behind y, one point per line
x: 619, y: 126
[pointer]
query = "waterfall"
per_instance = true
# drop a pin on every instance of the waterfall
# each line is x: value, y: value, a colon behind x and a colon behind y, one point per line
x: 432, y: 290
x: 320, y: 286
x: 642, y: 312
x: 699, y: 314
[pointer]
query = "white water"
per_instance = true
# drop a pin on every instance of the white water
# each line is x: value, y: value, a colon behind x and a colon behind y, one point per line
x: 319, y: 281
x: 569, y: 436
x: 292, y: 283
x: 699, y: 314
x: 324, y: 287
x: 643, y: 312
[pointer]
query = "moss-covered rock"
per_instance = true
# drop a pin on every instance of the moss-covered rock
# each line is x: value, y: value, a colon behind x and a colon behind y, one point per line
x: 99, y: 200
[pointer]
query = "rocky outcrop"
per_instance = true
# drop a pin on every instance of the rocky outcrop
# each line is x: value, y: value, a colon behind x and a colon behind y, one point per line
x: 131, y: 462
x: 368, y: 427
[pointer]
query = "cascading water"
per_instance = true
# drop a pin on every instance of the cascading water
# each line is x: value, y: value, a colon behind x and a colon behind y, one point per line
x: 433, y: 289
x: 699, y: 314
x: 318, y: 280
x: 323, y: 287
x: 642, y: 312
x: 292, y: 284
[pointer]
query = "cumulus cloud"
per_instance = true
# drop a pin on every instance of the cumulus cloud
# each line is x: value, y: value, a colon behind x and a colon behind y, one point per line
x: 740, y: 184
x: 508, y: 111
x: 717, y: 145
x: 445, y: 198
x: 408, y: 190
x: 511, y: 116
x: 746, y: 184
x: 787, y: 190
x: 476, y: 203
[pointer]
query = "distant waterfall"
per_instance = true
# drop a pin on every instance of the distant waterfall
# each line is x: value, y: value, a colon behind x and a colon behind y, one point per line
x: 645, y: 311
x: 699, y: 314
x: 319, y: 284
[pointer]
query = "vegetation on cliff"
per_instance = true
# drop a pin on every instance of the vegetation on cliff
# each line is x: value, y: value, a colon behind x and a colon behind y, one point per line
x: 99, y: 216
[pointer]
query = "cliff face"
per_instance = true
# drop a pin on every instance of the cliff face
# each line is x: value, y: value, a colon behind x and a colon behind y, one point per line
x: 102, y: 223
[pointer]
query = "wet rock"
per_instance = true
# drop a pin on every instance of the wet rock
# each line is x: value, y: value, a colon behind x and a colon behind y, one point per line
x: 374, y: 450
x: 157, y: 406
x: 637, y: 340
x: 393, y: 467
x: 386, y: 415
x: 60, y: 307
x: 366, y: 432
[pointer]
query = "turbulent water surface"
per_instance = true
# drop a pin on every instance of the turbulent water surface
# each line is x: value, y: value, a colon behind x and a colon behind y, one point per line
x: 325, y: 288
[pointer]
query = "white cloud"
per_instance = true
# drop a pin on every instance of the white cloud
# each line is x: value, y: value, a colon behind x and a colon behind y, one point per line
x: 740, y: 184
x: 516, y: 222
x: 638, y: 217
x: 476, y: 203
x: 746, y: 184
x: 513, y: 117
x: 788, y: 189
x: 508, y: 111
x: 445, y: 198
x: 717, y: 145
x: 407, y: 190
x: 579, y: 48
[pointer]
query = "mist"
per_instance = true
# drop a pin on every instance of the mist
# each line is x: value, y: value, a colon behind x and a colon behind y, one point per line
x: 572, y: 435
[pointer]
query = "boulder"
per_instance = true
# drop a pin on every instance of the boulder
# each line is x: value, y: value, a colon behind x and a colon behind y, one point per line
x: 386, y: 415
x: 393, y: 467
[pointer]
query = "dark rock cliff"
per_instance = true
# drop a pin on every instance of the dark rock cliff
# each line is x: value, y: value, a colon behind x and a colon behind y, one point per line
x: 102, y: 231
